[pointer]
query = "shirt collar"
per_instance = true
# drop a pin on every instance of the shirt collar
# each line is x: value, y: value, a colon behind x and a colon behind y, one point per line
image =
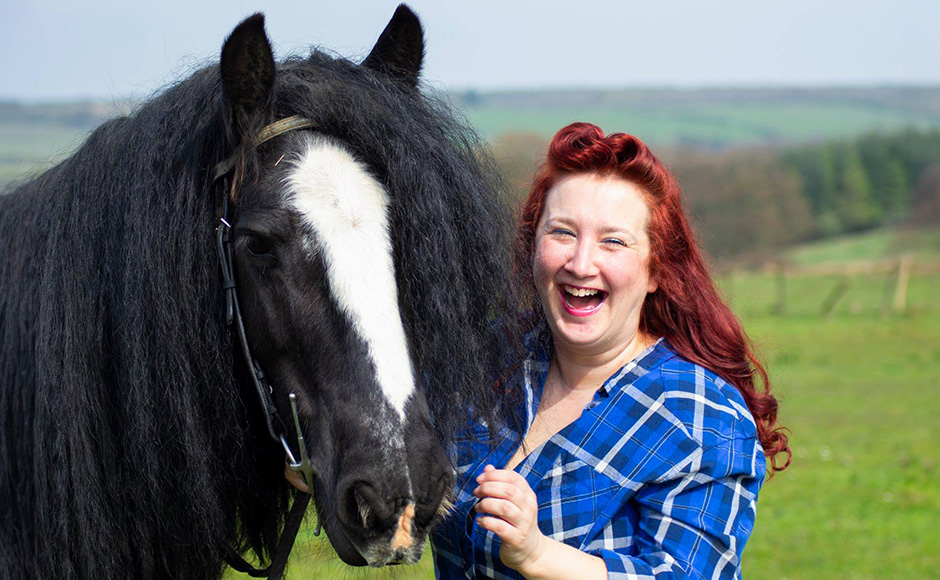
x: 539, y: 345
x: 636, y: 368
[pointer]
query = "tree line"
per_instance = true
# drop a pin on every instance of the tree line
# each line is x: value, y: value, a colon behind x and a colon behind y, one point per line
x: 756, y: 201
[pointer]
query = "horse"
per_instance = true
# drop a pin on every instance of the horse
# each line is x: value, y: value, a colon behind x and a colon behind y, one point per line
x: 366, y: 239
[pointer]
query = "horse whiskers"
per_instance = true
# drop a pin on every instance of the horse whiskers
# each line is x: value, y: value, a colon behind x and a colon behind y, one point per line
x: 444, y: 509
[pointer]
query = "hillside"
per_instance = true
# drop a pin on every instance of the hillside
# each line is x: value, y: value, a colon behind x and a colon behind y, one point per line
x: 883, y: 244
x: 713, y: 118
x: 33, y: 135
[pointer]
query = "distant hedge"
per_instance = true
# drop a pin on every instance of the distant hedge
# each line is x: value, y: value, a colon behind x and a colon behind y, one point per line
x: 755, y: 201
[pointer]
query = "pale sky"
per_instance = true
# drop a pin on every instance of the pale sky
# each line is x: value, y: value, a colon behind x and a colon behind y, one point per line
x: 63, y: 49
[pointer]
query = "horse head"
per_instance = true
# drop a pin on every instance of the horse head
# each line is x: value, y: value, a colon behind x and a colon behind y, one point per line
x: 315, y: 265
x: 369, y: 256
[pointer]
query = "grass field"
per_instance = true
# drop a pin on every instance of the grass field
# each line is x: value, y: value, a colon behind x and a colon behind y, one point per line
x: 32, y: 136
x: 861, y: 499
x: 712, y: 125
x: 882, y: 244
x: 27, y: 148
x: 860, y: 393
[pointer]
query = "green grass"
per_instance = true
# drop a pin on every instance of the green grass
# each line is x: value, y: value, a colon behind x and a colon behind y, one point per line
x: 35, y: 141
x: 859, y: 393
x: 28, y: 148
x: 876, y: 245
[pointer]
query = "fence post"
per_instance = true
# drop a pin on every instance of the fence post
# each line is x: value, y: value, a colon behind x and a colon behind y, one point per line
x: 889, y: 288
x: 829, y: 304
x: 781, y: 306
x: 729, y: 286
x: 900, y: 293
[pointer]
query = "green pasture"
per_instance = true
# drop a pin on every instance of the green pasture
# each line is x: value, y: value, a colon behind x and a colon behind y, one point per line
x: 860, y: 395
x: 707, y: 124
x: 26, y: 148
x: 860, y: 392
x: 882, y: 244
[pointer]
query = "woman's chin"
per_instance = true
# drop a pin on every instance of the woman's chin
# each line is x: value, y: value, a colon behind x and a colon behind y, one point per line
x: 578, y: 332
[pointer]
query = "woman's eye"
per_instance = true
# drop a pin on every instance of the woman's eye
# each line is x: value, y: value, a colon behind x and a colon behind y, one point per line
x: 562, y: 232
x: 258, y: 246
x: 615, y: 241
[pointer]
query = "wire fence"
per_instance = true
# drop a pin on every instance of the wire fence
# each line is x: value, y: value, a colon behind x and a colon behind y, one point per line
x: 901, y: 286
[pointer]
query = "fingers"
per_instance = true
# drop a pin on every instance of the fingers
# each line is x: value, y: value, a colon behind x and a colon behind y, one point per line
x: 490, y: 473
x: 509, y: 509
x: 506, y: 531
x: 499, y: 508
x: 505, y: 484
x: 501, y: 490
x: 506, y: 495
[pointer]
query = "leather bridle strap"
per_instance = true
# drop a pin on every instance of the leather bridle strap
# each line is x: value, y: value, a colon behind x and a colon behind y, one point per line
x: 279, y: 562
x: 276, y: 428
x: 267, y: 133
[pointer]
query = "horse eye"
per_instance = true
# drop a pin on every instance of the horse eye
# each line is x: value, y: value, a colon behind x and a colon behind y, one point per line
x: 258, y: 246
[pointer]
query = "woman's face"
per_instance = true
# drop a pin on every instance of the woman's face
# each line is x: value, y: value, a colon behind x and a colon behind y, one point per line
x: 591, y: 264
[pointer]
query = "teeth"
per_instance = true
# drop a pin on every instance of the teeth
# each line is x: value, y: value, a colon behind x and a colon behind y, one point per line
x: 580, y: 291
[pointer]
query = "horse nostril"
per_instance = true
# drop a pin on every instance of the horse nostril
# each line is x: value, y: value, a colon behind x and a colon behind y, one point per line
x: 363, y: 505
x: 357, y: 504
x: 436, y: 503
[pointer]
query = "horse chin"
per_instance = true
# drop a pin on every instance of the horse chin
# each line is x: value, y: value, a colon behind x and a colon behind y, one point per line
x: 378, y: 555
x: 345, y: 549
x: 374, y: 550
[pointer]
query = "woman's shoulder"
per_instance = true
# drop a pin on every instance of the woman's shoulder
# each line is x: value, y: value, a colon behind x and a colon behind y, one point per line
x: 711, y: 409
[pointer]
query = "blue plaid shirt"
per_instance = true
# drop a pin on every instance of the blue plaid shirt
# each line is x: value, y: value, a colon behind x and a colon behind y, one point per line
x: 658, y: 476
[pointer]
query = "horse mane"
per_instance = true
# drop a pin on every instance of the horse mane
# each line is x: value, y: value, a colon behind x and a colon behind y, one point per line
x: 129, y: 395
x: 127, y: 438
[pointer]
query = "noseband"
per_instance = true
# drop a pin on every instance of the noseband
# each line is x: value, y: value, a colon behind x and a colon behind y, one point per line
x: 278, y: 431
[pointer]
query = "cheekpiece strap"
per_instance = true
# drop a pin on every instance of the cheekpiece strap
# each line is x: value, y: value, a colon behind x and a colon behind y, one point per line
x: 276, y: 428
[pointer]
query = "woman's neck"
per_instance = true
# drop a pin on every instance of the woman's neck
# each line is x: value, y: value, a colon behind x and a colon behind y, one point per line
x: 586, y: 370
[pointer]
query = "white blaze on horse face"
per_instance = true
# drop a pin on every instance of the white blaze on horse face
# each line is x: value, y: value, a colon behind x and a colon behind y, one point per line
x: 347, y: 211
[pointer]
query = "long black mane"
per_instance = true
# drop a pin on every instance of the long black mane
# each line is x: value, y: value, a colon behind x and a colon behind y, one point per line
x: 128, y: 444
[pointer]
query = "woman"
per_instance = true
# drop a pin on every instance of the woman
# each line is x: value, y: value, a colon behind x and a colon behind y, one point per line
x: 646, y: 428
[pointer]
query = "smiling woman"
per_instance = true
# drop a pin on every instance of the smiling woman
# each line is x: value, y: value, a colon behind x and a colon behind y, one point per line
x: 591, y: 263
x: 645, y: 425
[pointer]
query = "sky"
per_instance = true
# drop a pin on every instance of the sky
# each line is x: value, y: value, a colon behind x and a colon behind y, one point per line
x: 53, y: 50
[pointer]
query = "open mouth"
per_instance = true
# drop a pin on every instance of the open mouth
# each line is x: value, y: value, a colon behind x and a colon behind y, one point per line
x: 581, y: 301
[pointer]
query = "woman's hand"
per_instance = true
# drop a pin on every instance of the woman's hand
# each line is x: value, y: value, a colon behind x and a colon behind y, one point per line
x: 511, y: 512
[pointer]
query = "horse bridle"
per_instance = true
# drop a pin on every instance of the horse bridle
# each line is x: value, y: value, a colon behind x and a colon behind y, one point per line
x: 276, y: 427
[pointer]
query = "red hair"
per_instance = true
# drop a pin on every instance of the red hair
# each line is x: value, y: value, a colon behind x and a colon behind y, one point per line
x: 686, y: 309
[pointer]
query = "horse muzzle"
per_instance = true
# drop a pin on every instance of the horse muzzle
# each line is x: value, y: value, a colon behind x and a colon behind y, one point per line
x: 373, y: 524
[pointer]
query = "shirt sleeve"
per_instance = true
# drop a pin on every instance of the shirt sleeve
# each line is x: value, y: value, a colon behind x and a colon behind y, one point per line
x: 694, y: 523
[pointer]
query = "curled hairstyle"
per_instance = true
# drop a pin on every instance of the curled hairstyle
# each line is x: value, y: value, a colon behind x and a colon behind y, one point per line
x: 686, y: 309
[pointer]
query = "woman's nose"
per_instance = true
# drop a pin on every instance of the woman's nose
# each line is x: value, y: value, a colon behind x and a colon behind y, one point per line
x: 583, y: 261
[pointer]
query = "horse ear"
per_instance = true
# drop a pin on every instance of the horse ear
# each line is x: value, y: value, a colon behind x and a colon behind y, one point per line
x: 399, y: 51
x: 247, y: 65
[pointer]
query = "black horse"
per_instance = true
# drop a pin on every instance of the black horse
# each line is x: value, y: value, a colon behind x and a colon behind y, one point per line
x: 370, y: 255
